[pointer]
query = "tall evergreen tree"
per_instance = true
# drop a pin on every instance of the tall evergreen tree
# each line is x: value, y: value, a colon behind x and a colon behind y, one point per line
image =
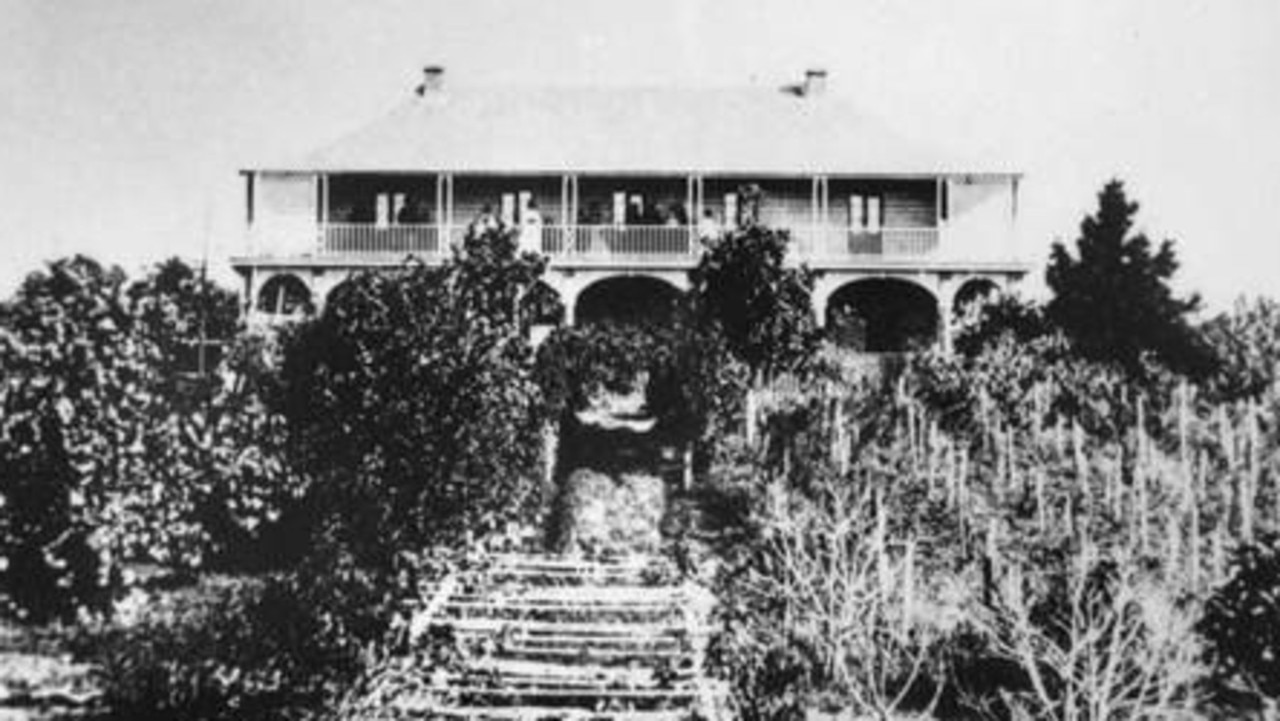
x: 1113, y: 298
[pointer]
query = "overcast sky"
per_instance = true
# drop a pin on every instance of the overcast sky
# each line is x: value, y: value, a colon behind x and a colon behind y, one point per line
x: 122, y: 124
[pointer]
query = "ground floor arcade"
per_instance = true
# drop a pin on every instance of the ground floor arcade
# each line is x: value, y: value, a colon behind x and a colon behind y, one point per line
x: 867, y: 309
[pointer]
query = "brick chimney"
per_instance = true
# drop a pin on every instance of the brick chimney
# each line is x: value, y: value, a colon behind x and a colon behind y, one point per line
x: 432, y: 80
x: 815, y: 83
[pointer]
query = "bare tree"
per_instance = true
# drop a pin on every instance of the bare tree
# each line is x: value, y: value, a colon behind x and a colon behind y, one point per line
x: 1115, y: 646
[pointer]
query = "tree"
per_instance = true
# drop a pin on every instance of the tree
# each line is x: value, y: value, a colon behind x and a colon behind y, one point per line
x: 1022, y: 320
x: 411, y: 399
x: 743, y: 289
x: 73, y: 398
x: 101, y: 463
x: 1247, y: 342
x: 190, y: 319
x: 1114, y: 301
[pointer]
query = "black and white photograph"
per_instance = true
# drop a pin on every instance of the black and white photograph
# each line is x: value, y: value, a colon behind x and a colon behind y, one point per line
x: 661, y: 360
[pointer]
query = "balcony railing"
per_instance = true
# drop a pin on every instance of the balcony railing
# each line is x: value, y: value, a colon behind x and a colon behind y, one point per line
x: 367, y: 239
x: 626, y: 244
x: 619, y: 243
x: 833, y: 243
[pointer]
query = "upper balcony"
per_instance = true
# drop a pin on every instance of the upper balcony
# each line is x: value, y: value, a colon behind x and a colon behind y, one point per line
x: 618, y: 244
x: 629, y: 221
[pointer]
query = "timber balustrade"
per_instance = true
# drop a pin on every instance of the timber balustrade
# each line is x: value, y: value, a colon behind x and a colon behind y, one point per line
x: 622, y: 244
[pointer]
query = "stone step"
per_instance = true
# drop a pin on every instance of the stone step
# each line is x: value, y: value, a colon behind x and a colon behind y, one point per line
x: 541, y: 636
x: 539, y: 713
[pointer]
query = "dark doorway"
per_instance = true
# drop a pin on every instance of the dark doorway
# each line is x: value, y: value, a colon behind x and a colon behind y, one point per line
x: 631, y: 300
x: 882, y: 315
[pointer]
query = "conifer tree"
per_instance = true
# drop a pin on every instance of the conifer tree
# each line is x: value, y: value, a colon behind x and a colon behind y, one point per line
x: 1113, y: 297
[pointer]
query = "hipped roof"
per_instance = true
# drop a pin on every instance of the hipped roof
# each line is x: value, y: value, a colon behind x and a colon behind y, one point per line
x: 739, y: 131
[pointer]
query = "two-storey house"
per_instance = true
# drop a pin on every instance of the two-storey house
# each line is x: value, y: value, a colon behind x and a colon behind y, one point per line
x: 625, y: 183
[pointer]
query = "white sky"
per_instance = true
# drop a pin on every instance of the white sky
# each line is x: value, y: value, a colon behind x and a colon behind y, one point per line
x: 122, y: 124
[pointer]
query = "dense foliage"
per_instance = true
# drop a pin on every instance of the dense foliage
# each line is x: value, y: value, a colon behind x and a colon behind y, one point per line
x: 412, y: 399
x: 1113, y: 299
x: 105, y: 460
x: 1242, y: 619
x: 74, y: 408
x: 1020, y: 530
x: 1246, y: 340
x: 986, y: 324
x: 225, y: 648
x: 743, y: 289
x: 189, y: 320
x: 575, y: 365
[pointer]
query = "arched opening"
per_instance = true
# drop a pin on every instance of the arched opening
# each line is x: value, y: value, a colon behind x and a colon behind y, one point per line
x: 632, y: 300
x: 972, y: 295
x: 338, y: 292
x: 284, y: 295
x: 542, y: 305
x: 882, y: 315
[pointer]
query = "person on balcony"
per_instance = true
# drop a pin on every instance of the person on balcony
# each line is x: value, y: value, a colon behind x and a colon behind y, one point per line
x: 531, y: 229
x: 344, y: 213
x: 708, y: 227
x: 414, y: 212
x: 635, y: 211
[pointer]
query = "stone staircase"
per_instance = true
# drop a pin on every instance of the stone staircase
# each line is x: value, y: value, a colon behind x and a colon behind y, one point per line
x: 536, y: 636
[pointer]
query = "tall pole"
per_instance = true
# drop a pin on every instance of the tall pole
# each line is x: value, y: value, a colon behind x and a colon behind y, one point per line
x: 202, y: 299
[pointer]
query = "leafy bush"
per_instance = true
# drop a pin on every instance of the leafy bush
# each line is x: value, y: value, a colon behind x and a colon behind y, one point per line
x: 228, y: 648
x: 1241, y: 622
x: 74, y: 402
x: 1247, y: 341
x: 110, y: 454
x: 1031, y: 386
x: 412, y: 399
x: 984, y: 328
x: 190, y: 322
x: 743, y: 289
x: 575, y: 365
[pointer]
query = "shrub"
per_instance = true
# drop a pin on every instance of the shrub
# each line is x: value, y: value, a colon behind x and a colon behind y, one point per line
x: 103, y: 462
x: 412, y: 400
x: 228, y: 648
x: 762, y: 308
x: 1247, y: 341
x: 575, y: 365
x: 1007, y: 315
x: 1096, y: 640
x: 74, y: 399
x: 823, y: 608
x: 1241, y: 623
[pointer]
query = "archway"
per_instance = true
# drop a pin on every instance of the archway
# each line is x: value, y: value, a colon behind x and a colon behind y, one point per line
x: 542, y: 305
x: 341, y: 289
x: 973, y: 294
x: 284, y: 295
x: 882, y: 315
x: 627, y: 299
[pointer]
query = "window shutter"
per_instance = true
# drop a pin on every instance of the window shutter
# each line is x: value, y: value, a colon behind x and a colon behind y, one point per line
x: 873, y: 213
x: 857, y: 212
x: 508, y: 209
x: 731, y: 210
x: 619, y: 208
